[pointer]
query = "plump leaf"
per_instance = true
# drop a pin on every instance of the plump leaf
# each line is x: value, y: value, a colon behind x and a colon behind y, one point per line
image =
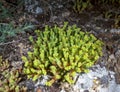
x: 53, y: 69
x: 24, y: 59
x: 35, y: 77
x: 36, y: 63
x: 49, y: 83
x: 26, y: 64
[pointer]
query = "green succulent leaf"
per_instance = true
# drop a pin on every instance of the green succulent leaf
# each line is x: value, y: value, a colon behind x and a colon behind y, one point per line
x: 31, y: 39
x: 24, y: 59
x: 78, y: 70
x: 59, y: 63
x: 68, y: 79
x: 27, y: 71
x: 57, y: 76
x: 44, y: 72
x: 53, y: 69
x: 33, y: 70
x: 35, y: 77
x: 26, y: 64
x: 17, y: 89
x: 30, y: 55
x: 49, y: 83
x: 36, y: 63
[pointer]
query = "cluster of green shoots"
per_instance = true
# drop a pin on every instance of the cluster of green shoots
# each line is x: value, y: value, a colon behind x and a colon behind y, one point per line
x: 81, y: 5
x: 9, y: 79
x: 60, y: 53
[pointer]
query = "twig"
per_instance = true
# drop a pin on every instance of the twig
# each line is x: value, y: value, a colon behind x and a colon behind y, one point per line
x: 1, y: 44
x: 9, y: 43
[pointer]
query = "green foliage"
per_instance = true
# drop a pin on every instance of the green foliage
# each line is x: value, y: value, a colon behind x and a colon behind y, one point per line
x: 10, y: 82
x: 9, y: 30
x: 81, y: 5
x: 3, y: 65
x: 61, y: 53
x: 9, y: 79
x: 4, y: 12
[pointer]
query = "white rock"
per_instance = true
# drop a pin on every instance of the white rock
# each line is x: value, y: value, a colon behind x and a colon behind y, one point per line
x: 106, y: 81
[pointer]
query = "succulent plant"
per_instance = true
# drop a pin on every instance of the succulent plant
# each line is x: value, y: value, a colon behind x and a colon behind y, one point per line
x: 60, y: 53
x: 3, y: 65
x: 9, y: 79
x: 81, y: 5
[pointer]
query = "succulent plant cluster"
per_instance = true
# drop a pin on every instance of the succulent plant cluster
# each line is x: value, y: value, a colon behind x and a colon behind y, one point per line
x: 3, y: 65
x: 60, y: 53
x: 9, y: 79
x: 81, y: 5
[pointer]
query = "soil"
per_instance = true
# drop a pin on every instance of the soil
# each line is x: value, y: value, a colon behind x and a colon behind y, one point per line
x: 57, y: 12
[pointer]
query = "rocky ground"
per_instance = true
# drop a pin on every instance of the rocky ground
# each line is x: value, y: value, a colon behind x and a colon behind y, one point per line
x: 104, y: 76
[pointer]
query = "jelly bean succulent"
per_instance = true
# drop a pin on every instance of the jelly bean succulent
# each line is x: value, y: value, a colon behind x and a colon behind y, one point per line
x: 60, y: 53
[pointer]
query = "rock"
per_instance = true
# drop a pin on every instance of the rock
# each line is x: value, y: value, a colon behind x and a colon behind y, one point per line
x: 29, y: 84
x: 97, y: 80
x: 66, y: 14
x: 40, y: 9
